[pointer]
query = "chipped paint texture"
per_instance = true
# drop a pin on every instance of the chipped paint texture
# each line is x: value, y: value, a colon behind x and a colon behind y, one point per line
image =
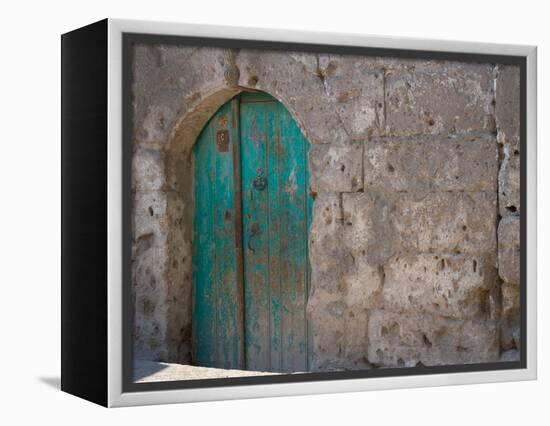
x: 414, y: 166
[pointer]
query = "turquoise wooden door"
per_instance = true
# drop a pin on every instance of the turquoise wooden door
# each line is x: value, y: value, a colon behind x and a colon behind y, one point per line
x: 252, y: 215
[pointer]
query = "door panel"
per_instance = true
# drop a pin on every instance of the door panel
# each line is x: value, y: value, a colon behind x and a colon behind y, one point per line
x: 218, y: 339
x: 276, y: 210
x: 276, y: 222
x: 254, y: 123
x: 290, y: 151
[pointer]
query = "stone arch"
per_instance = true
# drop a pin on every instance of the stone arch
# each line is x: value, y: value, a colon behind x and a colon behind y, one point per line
x: 179, y: 173
x: 166, y: 221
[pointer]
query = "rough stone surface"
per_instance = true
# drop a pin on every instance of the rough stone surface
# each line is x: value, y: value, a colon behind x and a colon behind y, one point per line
x: 162, y: 291
x: 508, y: 249
x: 407, y: 175
x: 149, y: 165
x: 290, y: 79
x: 369, y: 227
x: 444, y: 222
x: 171, y: 79
x: 453, y: 286
x: 336, y: 167
x: 432, y: 163
x: 355, y: 87
x: 325, y: 311
x: 507, y: 103
x: 149, y: 212
x: 337, y: 319
x: 510, y: 321
x: 509, y: 182
x: 339, y: 332
x: 508, y: 269
x: 447, y: 222
x: 508, y: 135
x: 401, y: 340
x: 328, y: 258
x: 151, y: 334
x: 439, y: 97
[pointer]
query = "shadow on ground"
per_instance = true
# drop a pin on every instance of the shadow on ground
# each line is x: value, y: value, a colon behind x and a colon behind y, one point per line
x: 151, y: 371
x: 144, y: 369
x: 54, y: 382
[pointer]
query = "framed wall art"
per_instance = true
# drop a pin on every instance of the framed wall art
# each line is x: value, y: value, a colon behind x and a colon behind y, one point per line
x: 253, y: 212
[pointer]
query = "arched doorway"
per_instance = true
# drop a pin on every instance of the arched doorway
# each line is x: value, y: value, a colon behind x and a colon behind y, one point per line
x: 250, y: 255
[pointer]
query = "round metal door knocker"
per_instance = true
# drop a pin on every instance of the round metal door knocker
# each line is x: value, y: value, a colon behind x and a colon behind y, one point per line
x: 260, y: 182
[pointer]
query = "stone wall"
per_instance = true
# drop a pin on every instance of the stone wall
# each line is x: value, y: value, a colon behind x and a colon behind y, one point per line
x: 508, y: 137
x: 415, y: 170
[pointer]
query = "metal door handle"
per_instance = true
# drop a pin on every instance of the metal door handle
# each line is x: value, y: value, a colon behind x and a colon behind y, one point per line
x: 260, y: 181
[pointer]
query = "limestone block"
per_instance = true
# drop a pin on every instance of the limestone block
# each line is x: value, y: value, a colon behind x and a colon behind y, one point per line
x: 508, y: 249
x: 396, y: 340
x: 363, y: 284
x: 440, y: 222
x: 507, y: 103
x: 309, y: 61
x: 179, y: 276
x: 162, y: 276
x: 338, y: 332
x: 370, y: 239
x: 453, y: 286
x: 341, y: 289
x: 326, y: 321
x: 439, y: 97
x: 170, y: 80
x: 509, y: 271
x: 432, y: 163
x: 152, y: 62
x: 336, y: 167
x: 355, y: 344
x: 148, y: 275
x: 447, y: 222
x: 149, y: 216
x: 369, y: 226
x: 147, y: 170
x: 509, y: 182
x: 150, y: 307
x: 327, y: 255
x: 510, y: 317
x: 356, y: 87
x: 290, y: 78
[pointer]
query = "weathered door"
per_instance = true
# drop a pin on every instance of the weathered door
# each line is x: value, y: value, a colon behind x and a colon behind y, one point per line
x: 252, y: 214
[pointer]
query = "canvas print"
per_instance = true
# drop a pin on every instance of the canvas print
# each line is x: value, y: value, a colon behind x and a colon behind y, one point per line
x: 298, y: 212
